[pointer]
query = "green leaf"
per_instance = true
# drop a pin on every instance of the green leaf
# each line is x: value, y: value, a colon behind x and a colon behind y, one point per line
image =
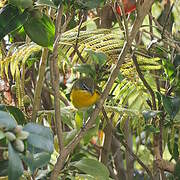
x: 40, y: 29
x: 171, y: 105
x: 57, y: 2
x: 176, y: 61
x: 148, y: 114
x: 177, y: 170
x: 79, y: 119
x: 67, y: 116
x: 90, y: 133
x: 169, y: 69
x: 176, y: 151
x: 1, y: 135
x: 151, y: 128
x: 99, y: 57
x: 93, y: 168
x: 120, y: 77
x: 86, y: 69
x: 22, y: 3
x: 46, y: 3
x: 77, y: 156
x: 68, y: 136
x: 31, y: 61
x: 17, y: 114
x: 40, y: 138
x: 11, y: 18
x: 2, y: 107
x: 89, y: 4
x: 38, y: 160
x: 15, y: 166
x: 7, y: 121
x: 85, y: 176
x: 3, y: 168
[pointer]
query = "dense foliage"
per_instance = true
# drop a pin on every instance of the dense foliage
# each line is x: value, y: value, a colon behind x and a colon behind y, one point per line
x: 133, y: 130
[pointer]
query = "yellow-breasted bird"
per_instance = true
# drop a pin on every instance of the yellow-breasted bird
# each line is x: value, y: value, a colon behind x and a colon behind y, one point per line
x: 84, y: 93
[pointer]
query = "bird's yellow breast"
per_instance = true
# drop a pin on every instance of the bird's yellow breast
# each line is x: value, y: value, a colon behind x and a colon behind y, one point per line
x: 82, y: 98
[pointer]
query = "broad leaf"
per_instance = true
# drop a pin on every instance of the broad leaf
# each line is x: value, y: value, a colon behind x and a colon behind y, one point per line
x: 86, y: 69
x: 171, y: 105
x: 38, y: 160
x: 68, y: 136
x: 40, y: 29
x: 17, y: 114
x: 11, y: 18
x: 77, y: 156
x: 176, y: 61
x: 46, y: 3
x: 169, y: 69
x: 151, y: 128
x: 6, y: 120
x: 93, y: 168
x: 1, y: 135
x: 89, y: 4
x: 173, y: 149
x: 177, y: 170
x: 99, y: 57
x: 24, y: 4
x: 148, y: 114
x: 4, y: 168
x: 40, y: 138
x: 85, y: 176
x: 15, y: 166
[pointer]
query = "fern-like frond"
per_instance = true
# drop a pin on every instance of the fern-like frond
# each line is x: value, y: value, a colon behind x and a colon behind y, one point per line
x: 16, y: 59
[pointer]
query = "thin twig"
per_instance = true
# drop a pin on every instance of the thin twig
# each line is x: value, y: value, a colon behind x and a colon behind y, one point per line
x: 170, y: 41
x: 151, y: 27
x: 128, y: 148
x: 141, y: 76
x: 68, y: 149
x: 116, y: 14
x: 39, y: 84
x: 55, y: 77
x: 67, y: 21
x: 125, y: 25
x: 137, y: 159
x: 166, y: 20
x: 108, y: 139
x: 166, y: 165
x: 61, y: 97
x: 77, y: 38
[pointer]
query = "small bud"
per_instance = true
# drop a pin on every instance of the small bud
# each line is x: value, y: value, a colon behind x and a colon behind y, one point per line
x: 26, y: 100
x: 13, y: 89
x: 5, y: 155
x: 18, y: 129
x: 19, y: 145
x: 23, y: 135
x: 10, y: 136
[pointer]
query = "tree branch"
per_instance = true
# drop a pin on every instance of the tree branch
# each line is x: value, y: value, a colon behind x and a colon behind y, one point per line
x: 108, y: 139
x: 77, y: 38
x: 55, y: 82
x: 137, y: 24
x: 141, y: 76
x: 165, y: 165
x: 135, y: 157
x: 39, y: 84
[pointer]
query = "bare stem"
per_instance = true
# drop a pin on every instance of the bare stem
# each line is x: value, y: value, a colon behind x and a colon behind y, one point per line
x: 68, y: 149
x: 39, y: 84
x: 141, y: 76
x: 55, y: 80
